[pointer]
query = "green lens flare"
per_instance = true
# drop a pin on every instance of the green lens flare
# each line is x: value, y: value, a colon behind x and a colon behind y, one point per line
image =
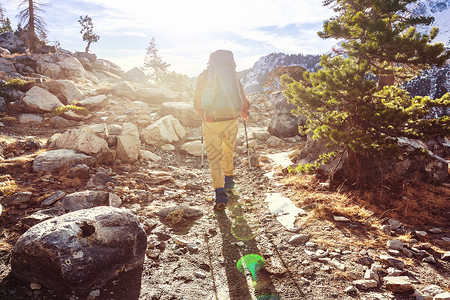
x: 268, y: 297
x: 241, y: 230
x: 251, y: 262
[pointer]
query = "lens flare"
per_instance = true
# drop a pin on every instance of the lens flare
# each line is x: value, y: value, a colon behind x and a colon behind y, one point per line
x: 268, y: 297
x: 251, y: 262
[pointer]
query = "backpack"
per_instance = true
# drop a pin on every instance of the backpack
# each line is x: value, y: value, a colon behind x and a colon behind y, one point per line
x: 222, y: 97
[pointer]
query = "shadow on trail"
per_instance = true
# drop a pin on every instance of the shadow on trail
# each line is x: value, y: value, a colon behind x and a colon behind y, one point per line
x: 238, y: 285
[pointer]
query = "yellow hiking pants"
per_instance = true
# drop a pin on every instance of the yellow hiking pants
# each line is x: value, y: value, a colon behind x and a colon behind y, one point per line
x: 220, y: 138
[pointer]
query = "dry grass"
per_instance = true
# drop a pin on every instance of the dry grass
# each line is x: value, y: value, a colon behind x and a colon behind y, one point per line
x: 419, y: 206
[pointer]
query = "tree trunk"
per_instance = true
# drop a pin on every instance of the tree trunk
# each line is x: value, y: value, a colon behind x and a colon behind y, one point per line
x: 384, y: 80
x: 87, y: 47
x: 32, y: 43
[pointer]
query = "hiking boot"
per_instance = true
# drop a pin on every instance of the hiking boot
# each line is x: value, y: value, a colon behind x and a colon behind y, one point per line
x: 229, y: 182
x: 221, y: 199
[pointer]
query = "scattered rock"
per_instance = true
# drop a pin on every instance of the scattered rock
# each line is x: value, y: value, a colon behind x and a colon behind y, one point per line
x: 182, y: 111
x: 123, y: 89
x: 53, y: 198
x: 81, y: 140
x: 394, y: 224
x: 364, y: 284
x: 88, y: 199
x: 394, y: 262
x: 435, y: 230
x: 56, y: 160
x: 94, y: 102
x: 193, y: 148
x: 148, y: 155
x: 30, y: 119
x: 165, y: 130
x: 18, y: 198
x: 39, y: 100
x: 80, y: 251
x: 128, y: 144
x: 367, y: 261
x: 298, y: 239
x: 136, y: 75
x: 395, y: 244
x: 398, y: 284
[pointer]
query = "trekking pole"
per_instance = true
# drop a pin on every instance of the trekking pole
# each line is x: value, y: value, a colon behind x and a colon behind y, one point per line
x: 201, y: 128
x: 248, y: 149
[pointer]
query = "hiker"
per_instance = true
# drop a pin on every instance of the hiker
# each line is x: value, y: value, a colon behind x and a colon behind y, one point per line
x: 220, y: 99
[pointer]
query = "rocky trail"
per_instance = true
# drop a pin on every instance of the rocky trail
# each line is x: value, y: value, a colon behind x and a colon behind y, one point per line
x: 281, y: 237
x: 192, y: 252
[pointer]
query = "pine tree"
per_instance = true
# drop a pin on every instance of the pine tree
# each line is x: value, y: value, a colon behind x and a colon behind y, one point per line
x: 360, y: 115
x: 87, y: 30
x: 34, y: 25
x: 154, y: 64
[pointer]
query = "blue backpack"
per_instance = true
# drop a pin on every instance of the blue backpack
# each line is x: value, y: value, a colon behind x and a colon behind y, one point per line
x: 222, y: 97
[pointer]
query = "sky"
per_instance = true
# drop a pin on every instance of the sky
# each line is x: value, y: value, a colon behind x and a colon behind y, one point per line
x: 186, y: 31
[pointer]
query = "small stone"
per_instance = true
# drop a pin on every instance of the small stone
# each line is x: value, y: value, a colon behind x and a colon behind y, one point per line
x: 364, y: 284
x: 371, y: 274
x: 309, y: 271
x: 298, y: 239
x: 395, y: 244
x: 345, y: 252
x: 446, y: 256
x: 310, y: 244
x: 429, y: 259
x: 35, y: 286
x: 394, y: 262
x: 94, y: 294
x: 200, y: 274
x: 394, y: 224
x: 350, y: 290
x: 446, y: 239
x: 432, y: 290
x: 394, y: 272
x: 398, y: 284
x: 435, y: 230
x: 421, y: 234
x: 442, y: 296
x: 394, y: 252
x: 180, y: 241
x: 192, y: 248
x: 341, y: 219
x: 386, y: 229
x: 240, y: 244
x: 363, y: 252
x: 407, y: 252
x: 337, y: 264
x: 321, y: 253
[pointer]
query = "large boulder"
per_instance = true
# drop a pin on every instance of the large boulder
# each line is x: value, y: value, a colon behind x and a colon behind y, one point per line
x: 94, y: 102
x: 88, y: 199
x: 165, y: 130
x: 7, y: 66
x: 182, y: 111
x: 123, y: 89
x: 128, y: 144
x: 66, y: 91
x: 80, y: 251
x: 136, y: 74
x: 60, y: 66
x: 283, y: 123
x: 159, y: 95
x: 81, y: 140
x: 56, y: 160
x: 11, y: 42
x: 39, y: 100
